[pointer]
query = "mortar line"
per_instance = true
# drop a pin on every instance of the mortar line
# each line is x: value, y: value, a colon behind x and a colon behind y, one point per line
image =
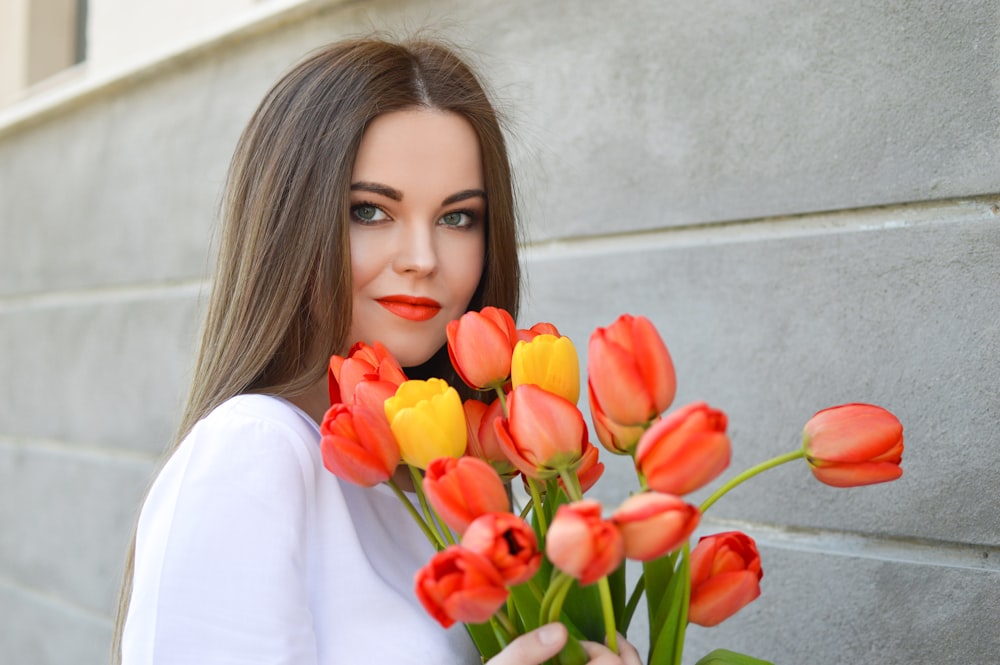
x: 846, y: 220
x: 102, y: 295
x: 51, y: 600
x: 80, y: 451
x: 914, y: 551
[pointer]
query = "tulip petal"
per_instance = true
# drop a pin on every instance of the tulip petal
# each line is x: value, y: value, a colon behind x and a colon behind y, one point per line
x: 856, y: 475
x: 720, y: 597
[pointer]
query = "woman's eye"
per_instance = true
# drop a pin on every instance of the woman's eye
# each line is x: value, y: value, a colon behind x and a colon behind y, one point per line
x: 457, y: 219
x: 367, y: 213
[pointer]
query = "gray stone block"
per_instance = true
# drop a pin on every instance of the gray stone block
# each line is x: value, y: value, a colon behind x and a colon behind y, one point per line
x: 840, y: 609
x: 67, y: 517
x: 776, y: 327
x: 38, y: 631
x: 103, y: 371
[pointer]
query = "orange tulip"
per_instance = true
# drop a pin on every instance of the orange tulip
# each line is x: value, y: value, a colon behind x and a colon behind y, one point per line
x: 480, y: 345
x: 483, y: 442
x: 528, y: 334
x: 591, y: 468
x: 461, y: 489
x: 581, y: 544
x: 618, y: 439
x: 458, y: 584
x: 725, y: 576
x: 854, y: 444
x: 654, y: 524
x: 357, y: 445
x: 544, y: 433
x: 507, y: 541
x: 631, y: 374
x: 684, y: 451
x: 369, y: 374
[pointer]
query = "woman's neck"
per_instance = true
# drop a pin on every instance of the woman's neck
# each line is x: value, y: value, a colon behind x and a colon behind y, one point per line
x: 315, y: 401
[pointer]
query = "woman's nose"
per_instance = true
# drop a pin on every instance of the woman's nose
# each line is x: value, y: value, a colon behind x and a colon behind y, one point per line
x: 416, y: 252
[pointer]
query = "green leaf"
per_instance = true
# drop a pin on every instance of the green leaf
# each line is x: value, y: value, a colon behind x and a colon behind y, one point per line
x: 583, y: 607
x: 657, y: 575
x: 484, y: 638
x: 726, y: 657
x: 670, y: 622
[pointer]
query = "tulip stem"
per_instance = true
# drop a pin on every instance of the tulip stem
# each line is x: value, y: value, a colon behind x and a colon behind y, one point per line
x: 503, y: 401
x: 431, y: 536
x: 750, y: 473
x: 538, y: 507
x: 503, y: 628
x: 555, y: 596
x: 572, y: 483
x: 608, y: 610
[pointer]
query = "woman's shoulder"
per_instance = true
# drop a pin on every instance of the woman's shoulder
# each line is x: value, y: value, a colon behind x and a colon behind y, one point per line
x: 258, y: 434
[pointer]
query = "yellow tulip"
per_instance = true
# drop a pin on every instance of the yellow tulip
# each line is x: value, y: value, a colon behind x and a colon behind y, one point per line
x: 549, y: 362
x: 428, y: 421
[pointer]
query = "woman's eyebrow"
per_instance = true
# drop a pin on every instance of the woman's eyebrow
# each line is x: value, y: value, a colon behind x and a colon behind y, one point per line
x: 463, y: 195
x: 376, y: 188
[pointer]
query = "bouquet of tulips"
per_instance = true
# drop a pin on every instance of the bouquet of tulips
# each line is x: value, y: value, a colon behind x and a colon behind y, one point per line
x: 562, y: 558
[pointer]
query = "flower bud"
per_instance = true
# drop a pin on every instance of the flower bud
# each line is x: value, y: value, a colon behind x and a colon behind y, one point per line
x: 654, y: 524
x: 544, y: 433
x: 854, y: 444
x: 461, y: 489
x: 581, y: 544
x: 685, y: 450
x: 357, y: 445
x: 548, y: 362
x: 630, y: 372
x: 480, y: 345
x: 725, y: 576
x: 427, y: 420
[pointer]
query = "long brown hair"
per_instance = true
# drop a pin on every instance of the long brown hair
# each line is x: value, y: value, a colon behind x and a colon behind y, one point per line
x: 281, y: 296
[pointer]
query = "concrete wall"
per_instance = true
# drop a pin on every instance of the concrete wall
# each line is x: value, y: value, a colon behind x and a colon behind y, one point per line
x: 803, y: 197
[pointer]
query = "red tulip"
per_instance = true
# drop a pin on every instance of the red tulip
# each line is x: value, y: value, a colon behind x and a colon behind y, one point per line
x: 583, y: 545
x: 369, y: 375
x: 461, y: 489
x: 725, y: 576
x: 458, y: 584
x: 483, y: 442
x: 854, y: 444
x: 480, y: 345
x: 507, y: 541
x: 528, y: 334
x: 357, y: 444
x: 684, y: 451
x: 654, y: 524
x: 631, y: 374
x: 544, y: 433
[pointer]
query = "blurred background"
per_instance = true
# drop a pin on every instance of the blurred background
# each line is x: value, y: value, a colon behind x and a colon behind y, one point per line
x: 803, y: 197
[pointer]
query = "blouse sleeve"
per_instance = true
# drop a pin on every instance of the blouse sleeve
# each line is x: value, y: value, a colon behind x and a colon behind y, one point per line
x: 221, y: 554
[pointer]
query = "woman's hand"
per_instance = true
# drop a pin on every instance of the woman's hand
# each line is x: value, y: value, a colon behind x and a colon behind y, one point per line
x: 537, y: 646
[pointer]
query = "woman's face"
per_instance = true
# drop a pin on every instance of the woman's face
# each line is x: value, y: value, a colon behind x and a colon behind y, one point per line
x: 418, y: 240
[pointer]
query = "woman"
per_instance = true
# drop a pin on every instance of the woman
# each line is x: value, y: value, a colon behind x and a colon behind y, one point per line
x: 370, y: 198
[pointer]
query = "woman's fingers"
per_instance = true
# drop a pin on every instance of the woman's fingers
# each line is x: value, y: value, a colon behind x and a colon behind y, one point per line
x: 534, y: 647
x: 602, y: 655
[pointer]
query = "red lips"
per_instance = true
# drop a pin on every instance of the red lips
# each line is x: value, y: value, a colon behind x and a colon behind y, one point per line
x: 411, y: 308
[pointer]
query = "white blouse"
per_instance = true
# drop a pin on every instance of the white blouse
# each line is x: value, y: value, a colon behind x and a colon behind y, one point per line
x: 249, y: 551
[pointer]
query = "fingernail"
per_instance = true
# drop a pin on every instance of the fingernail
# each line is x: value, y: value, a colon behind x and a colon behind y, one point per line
x: 550, y: 634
